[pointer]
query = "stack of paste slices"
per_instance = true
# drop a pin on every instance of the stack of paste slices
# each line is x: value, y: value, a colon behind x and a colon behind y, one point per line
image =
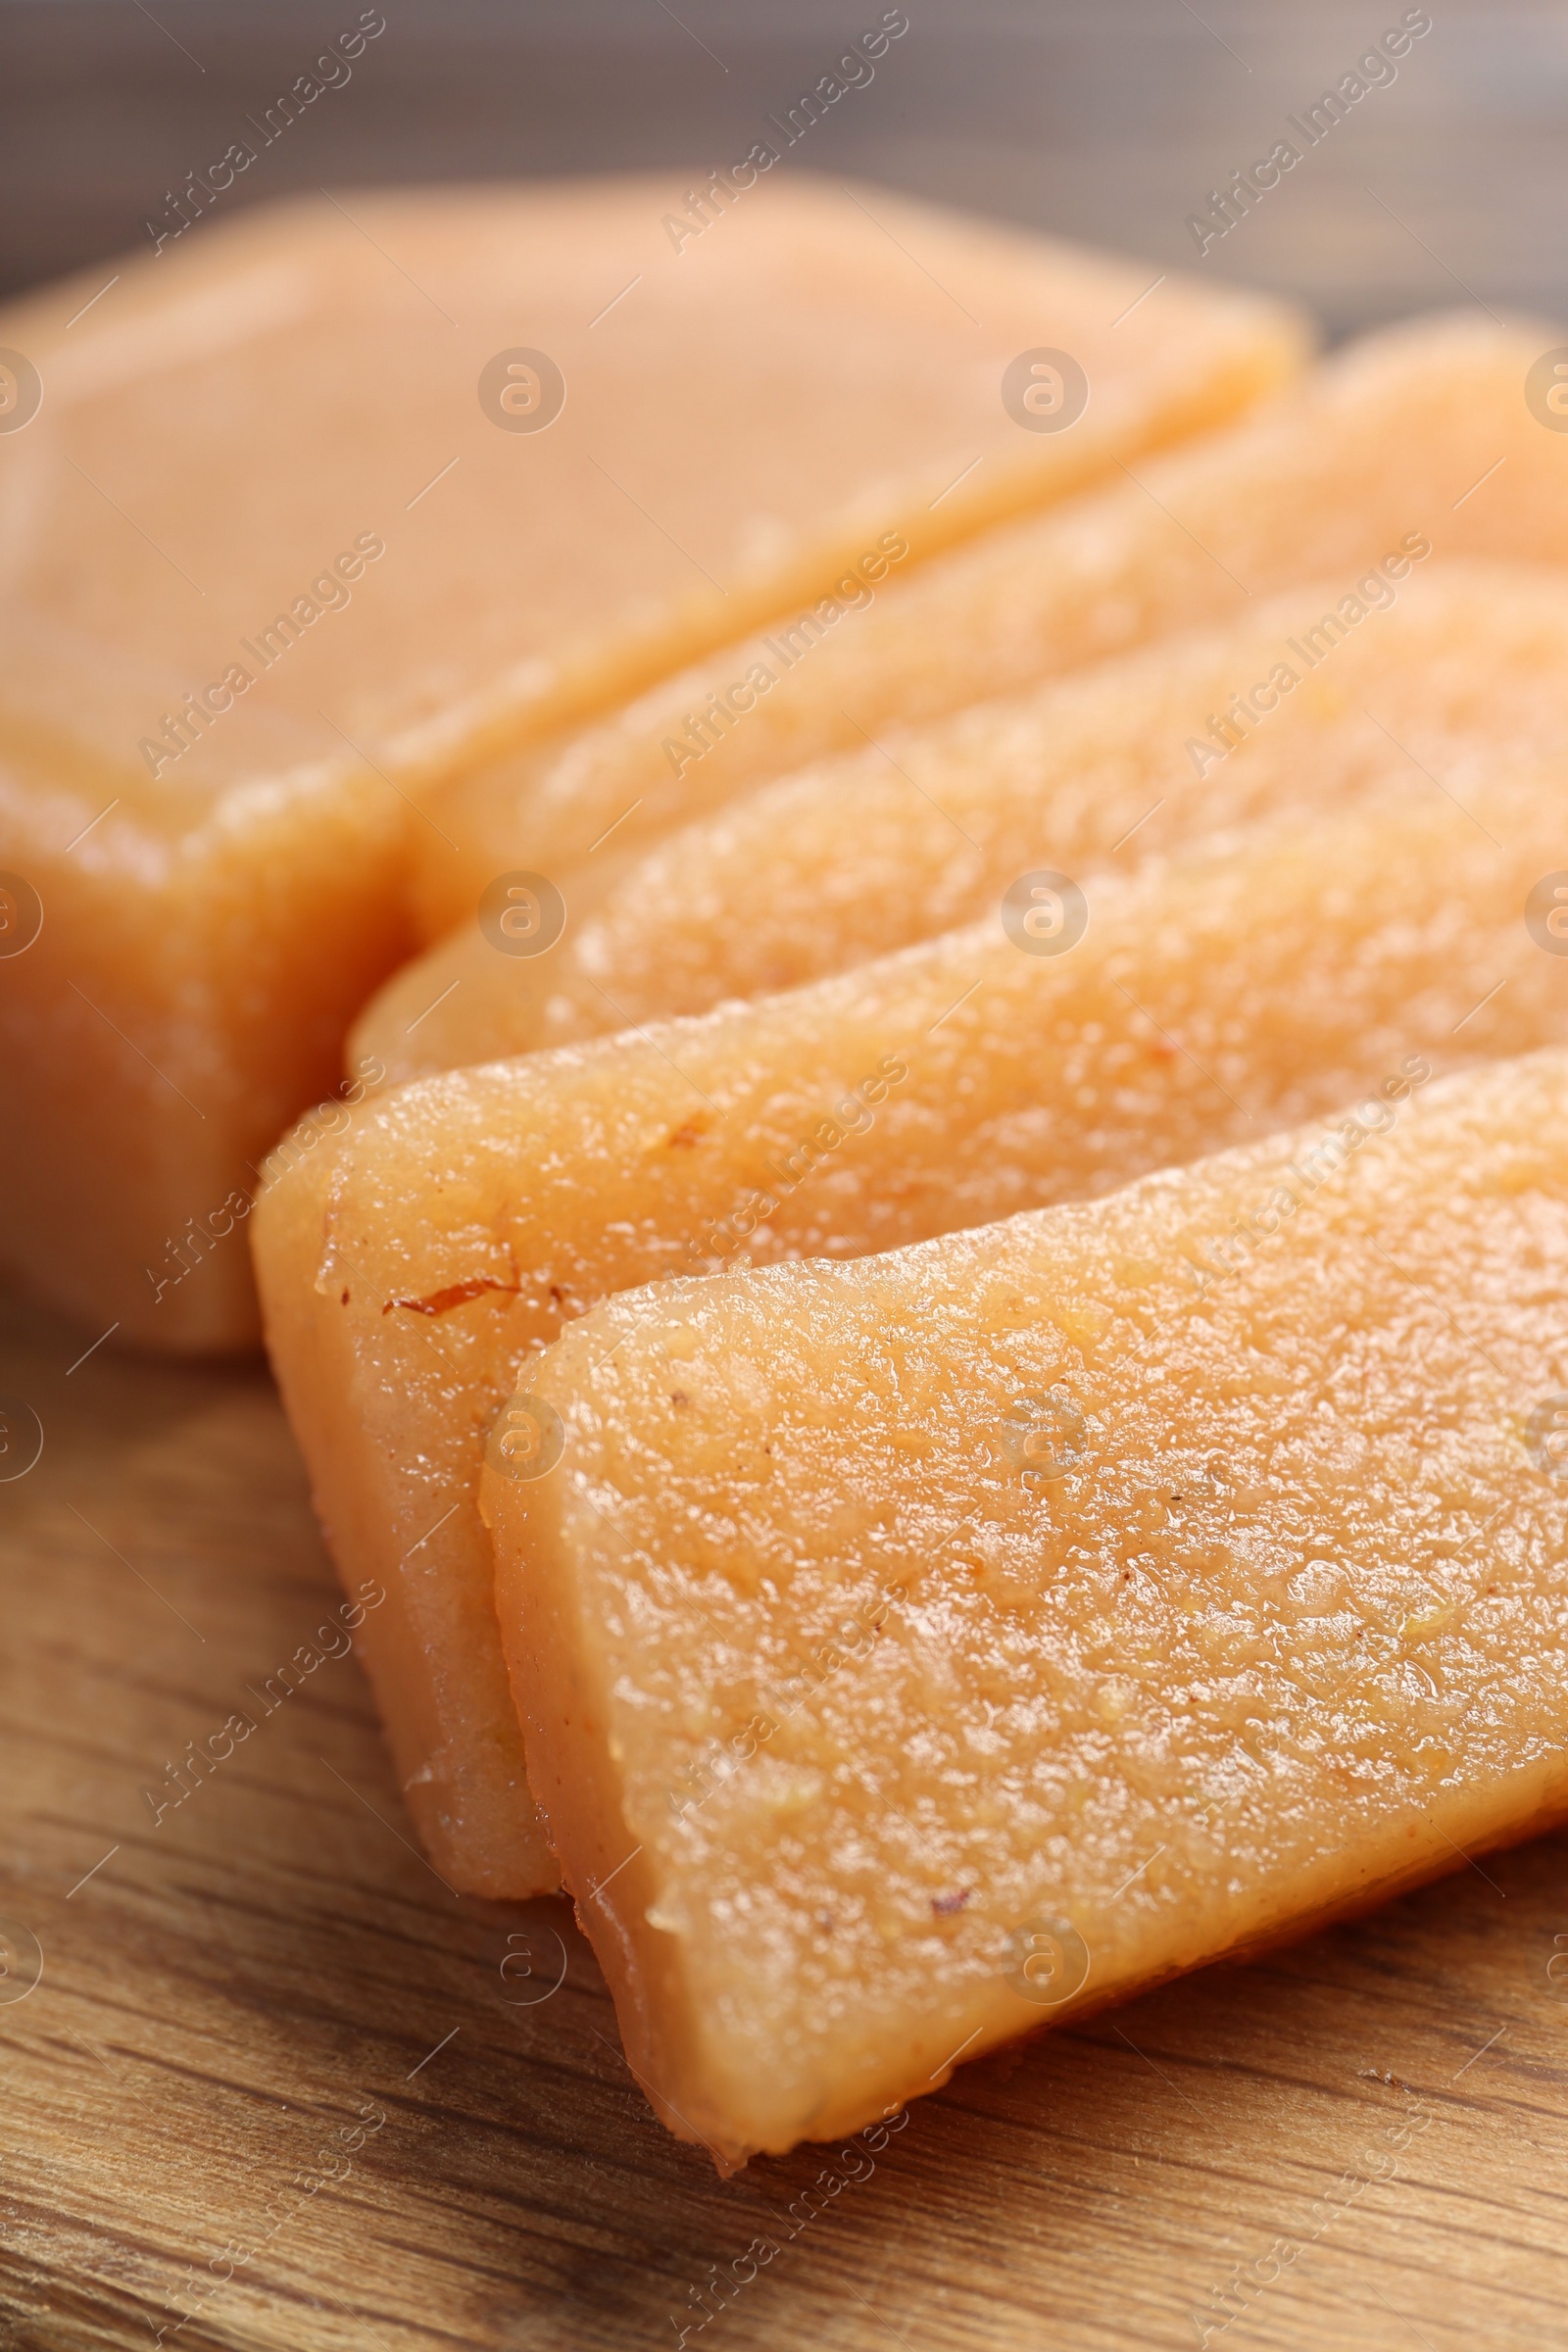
x: 263, y: 726
x: 937, y: 1291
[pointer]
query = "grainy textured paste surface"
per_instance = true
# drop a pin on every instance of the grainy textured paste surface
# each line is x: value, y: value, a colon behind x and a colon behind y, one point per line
x: 408, y: 1273
x: 1420, y: 427
x: 915, y: 1650
x: 278, y: 560
x: 234, y: 1992
x: 1416, y: 677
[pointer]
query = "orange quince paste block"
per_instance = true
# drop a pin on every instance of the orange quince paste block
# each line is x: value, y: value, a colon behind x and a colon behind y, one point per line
x: 313, y: 508
x: 410, y: 1273
x: 1420, y: 674
x: 916, y: 1652
x: 1426, y: 427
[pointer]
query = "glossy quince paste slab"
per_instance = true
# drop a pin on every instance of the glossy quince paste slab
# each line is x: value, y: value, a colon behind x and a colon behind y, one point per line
x: 1422, y: 675
x: 409, y: 1274
x: 325, y: 502
x: 914, y: 1652
x: 1423, y: 427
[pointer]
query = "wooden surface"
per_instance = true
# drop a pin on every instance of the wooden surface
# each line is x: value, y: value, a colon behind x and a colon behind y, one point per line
x: 225, y: 1992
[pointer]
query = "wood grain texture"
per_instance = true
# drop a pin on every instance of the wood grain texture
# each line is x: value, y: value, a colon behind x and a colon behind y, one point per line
x: 230, y: 1988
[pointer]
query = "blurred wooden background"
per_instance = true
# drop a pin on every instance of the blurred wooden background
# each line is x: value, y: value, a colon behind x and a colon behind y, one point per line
x: 1107, y: 119
x: 224, y: 1991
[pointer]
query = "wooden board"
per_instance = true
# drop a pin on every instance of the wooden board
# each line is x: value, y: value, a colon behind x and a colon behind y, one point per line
x: 268, y: 1978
